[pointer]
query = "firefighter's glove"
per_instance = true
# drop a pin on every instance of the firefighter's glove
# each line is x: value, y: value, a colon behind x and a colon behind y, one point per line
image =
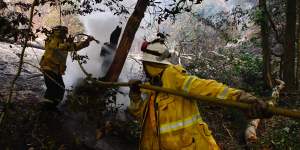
x: 90, y: 38
x: 87, y: 41
x: 258, y: 107
x: 245, y: 97
x: 134, y: 86
x: 135, y: 92
x: 259, y: 110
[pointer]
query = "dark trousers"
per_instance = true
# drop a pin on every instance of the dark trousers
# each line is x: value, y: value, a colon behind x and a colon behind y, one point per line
x: 55, y: 86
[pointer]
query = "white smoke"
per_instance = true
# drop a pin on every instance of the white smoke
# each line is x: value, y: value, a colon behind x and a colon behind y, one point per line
x: 100, y: 26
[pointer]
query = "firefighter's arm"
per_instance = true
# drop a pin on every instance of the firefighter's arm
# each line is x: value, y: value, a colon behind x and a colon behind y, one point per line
x: 196, y: 86
x: 55, y: 44
x: 81, y: 45
x: 137, y: 105
x: 212, y: 88
x: 66, y: 46
x: 193, y: 85
x: 84, y: 44
x: 71, y: 46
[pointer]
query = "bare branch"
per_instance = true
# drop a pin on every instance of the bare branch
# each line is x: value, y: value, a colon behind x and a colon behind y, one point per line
x: 272, y: 24
x: 21, y: 60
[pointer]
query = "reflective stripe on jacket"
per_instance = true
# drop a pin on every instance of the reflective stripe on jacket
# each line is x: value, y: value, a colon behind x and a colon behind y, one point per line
x: 178, y: 122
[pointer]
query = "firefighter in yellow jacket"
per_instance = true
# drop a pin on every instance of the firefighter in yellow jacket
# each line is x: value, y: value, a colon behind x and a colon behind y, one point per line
x: 53, y: 62
x: 172, y: 122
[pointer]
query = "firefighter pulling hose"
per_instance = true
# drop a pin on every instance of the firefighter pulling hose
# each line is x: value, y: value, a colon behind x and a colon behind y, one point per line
x: 169, y: 114
x: 157, y: 46
x: 215, y: 101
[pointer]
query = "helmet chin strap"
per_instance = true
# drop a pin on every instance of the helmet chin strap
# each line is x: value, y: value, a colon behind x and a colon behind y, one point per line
x: 156, y: 81
x: 154, y: 74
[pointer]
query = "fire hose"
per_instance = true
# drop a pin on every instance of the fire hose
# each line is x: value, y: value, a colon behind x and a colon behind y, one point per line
x: 74, y: 53
x: 211, y: 100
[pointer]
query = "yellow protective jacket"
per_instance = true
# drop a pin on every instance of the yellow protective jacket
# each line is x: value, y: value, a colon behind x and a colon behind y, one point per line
x: 172, y: 122
x: 56, y: 52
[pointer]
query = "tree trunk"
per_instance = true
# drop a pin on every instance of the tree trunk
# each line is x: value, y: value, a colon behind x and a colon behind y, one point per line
x: 298, y: 39
x: 265, y: 45
x: 289, y: 71
x: 126, y: 40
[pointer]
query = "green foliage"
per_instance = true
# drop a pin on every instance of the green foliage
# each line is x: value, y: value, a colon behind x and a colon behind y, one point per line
x: 241, y: 70
x: 249, y: 68
x: 87, y: 98
x: 285, y: 136
x: 129, y: 130
x: 257, y: 16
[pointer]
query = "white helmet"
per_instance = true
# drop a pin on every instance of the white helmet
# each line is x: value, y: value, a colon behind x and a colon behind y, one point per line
x: 155, y: 51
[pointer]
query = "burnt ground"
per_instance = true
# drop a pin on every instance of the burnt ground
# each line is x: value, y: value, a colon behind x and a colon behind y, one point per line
x: 85, y: 122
